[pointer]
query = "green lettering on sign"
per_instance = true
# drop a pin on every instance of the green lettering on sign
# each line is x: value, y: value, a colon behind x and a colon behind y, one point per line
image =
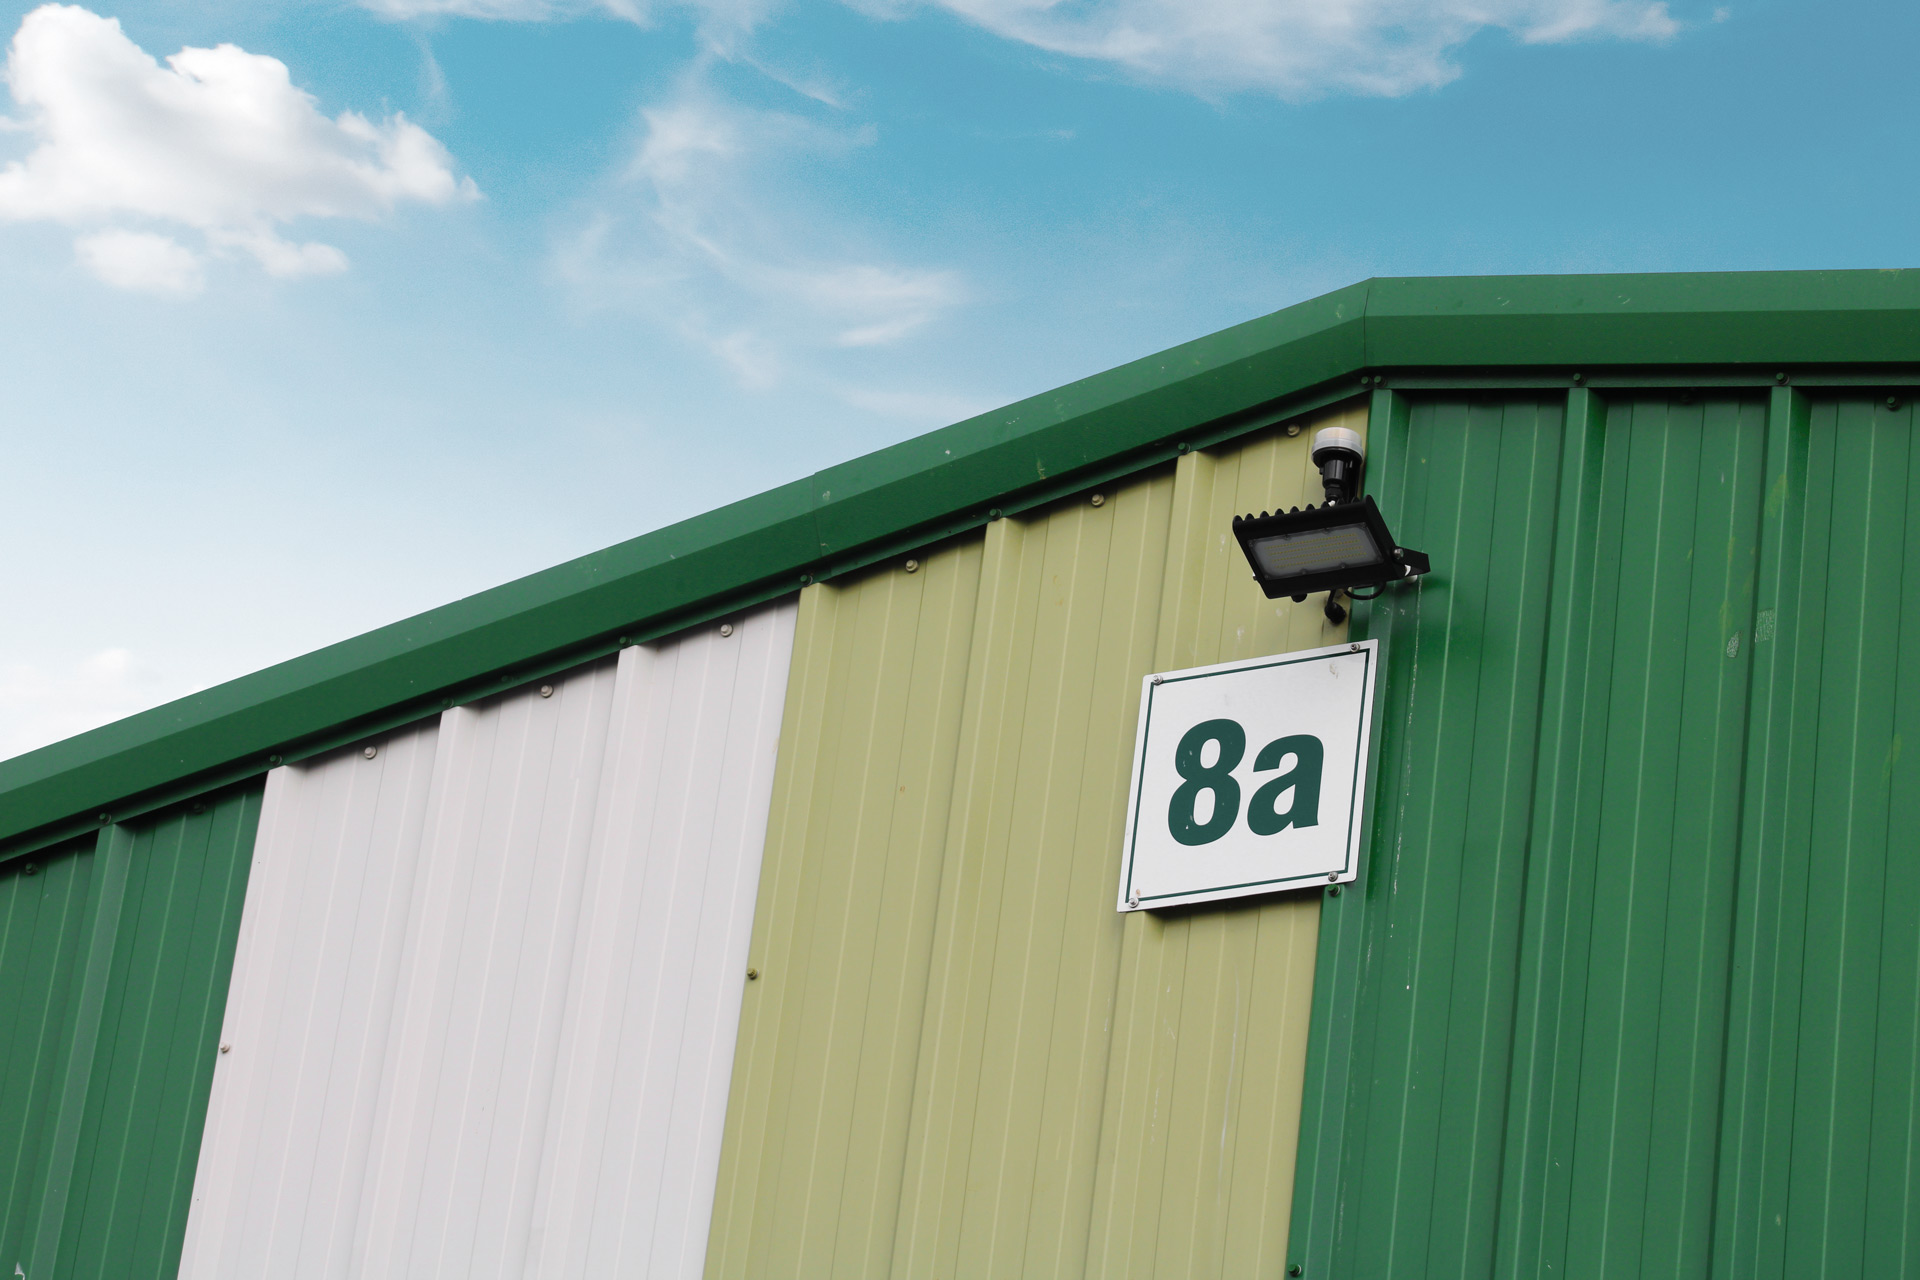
x: 1216, y: 777
x: 1303, y: 778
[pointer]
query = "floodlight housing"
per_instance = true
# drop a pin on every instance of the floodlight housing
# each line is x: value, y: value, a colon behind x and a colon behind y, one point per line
x: 1334, y: 547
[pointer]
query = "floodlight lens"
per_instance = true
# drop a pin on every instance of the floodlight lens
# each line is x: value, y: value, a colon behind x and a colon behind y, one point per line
x: 1287, y: 555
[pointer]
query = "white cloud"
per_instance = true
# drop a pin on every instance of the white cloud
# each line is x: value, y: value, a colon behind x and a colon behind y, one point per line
x: 719, y: 20
x: 218, y: 141
x: 709, y: 229
x: 142, y: 260
x: 1294, y: 48
x: 38, y: 705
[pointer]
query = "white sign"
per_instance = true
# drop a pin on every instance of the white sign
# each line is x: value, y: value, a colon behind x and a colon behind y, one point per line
x: 1249, y: 777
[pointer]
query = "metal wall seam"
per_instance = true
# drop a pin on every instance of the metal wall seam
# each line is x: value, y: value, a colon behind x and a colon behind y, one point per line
x: 483, y: 1018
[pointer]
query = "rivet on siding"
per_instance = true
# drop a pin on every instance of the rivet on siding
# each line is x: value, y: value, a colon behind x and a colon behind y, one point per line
x: 199, y: 807
x: 1893, y: 402
x: 371, y: 752
x: 1185, y: 447
x: 806, y: 579
x: 273, y: 759
x: 1293, y: 428
x: 726, y: 629
x: 1098, y: 499
x: 226, y: 1046
x: 752, y: 974
x: 1296, y: 1270
x: 912, y: 566
x: 1334, y: 892
x: 623, y: 642
x: 1780, y: 377
x: 106, y: 817
x: 993, y: 513
x: 546, y: 691
x: 1579, y: 378
x: 31, y: 869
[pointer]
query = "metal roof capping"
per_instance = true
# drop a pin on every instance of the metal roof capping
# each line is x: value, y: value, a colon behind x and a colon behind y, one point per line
x: 1842, y: 326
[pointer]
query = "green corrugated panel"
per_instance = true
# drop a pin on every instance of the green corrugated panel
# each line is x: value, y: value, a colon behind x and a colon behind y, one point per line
x: 1629, y: 989
x: 113, y: 982
x: 43, y: 920
x: 956, y: 1061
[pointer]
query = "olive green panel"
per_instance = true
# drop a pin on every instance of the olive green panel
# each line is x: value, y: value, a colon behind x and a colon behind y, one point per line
x: 956, y: 1060
x: 1200, y: 1125
x: 114, y: 965
x: 816, y: 1126
x: 1630, y: 984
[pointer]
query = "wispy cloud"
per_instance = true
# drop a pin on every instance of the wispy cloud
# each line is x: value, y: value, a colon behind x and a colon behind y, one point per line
x: 710, y: 229
x: 1293, y: 48
x: 218, y: 142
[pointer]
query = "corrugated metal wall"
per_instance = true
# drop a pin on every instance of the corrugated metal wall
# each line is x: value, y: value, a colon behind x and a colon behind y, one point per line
x: 489, y: 978
x: 1630, y: 986
x: 114, y: 960
x: 961, y: 1061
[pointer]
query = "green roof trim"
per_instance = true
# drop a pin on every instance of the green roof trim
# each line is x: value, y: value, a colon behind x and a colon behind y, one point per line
x: 948, y: 480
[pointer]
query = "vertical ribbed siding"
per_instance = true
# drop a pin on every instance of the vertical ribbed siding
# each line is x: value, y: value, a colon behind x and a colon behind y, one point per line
x: 962, y: 1060
x: 1822, y: 1169
x: 484, y: 1009
x: 114, y: 963
x: 43, y: 925
x: 1631, y: 987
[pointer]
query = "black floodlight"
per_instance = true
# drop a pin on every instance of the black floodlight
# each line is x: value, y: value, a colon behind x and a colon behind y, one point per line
x: 1335, y: 547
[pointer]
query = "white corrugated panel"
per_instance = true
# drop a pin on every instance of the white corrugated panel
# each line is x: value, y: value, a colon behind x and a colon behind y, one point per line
x: 488, y: 982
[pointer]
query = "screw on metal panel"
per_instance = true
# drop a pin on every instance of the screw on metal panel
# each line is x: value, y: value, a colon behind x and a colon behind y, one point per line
x: 273, y: 759
x: 371, y: 752
x: 806, y: 579
x: 1779, y: 377
x: 1579, y: 378
x: 31, y: 869
x: 226, y: 1046
x: 1334, y: 892
x: 1353, y: 648
x: 1098, y: 499
x: 623, y: 642
x: 1293, y: 428
x: 1296, y: 1270
x: 1331, y: 875
x: 1133, y: 900
x: 546, y: 691
x: 993, y: 513
x: 1158, y: 680
x: 913, y: 566
x: 1893, y: 402
x: 1184, y: 446
x: 106, y: 817
x: 752, y: 974
x: 446, y: 704
x: 726, y: 629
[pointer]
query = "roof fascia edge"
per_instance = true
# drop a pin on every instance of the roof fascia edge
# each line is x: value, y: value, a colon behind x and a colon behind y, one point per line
x: 761, y: 546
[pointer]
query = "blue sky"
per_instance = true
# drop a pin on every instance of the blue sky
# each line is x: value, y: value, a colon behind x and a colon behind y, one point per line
x: 274, y: 374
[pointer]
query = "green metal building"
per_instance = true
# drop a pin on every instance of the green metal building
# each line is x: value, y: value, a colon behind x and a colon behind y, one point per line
x: 738, y: 902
